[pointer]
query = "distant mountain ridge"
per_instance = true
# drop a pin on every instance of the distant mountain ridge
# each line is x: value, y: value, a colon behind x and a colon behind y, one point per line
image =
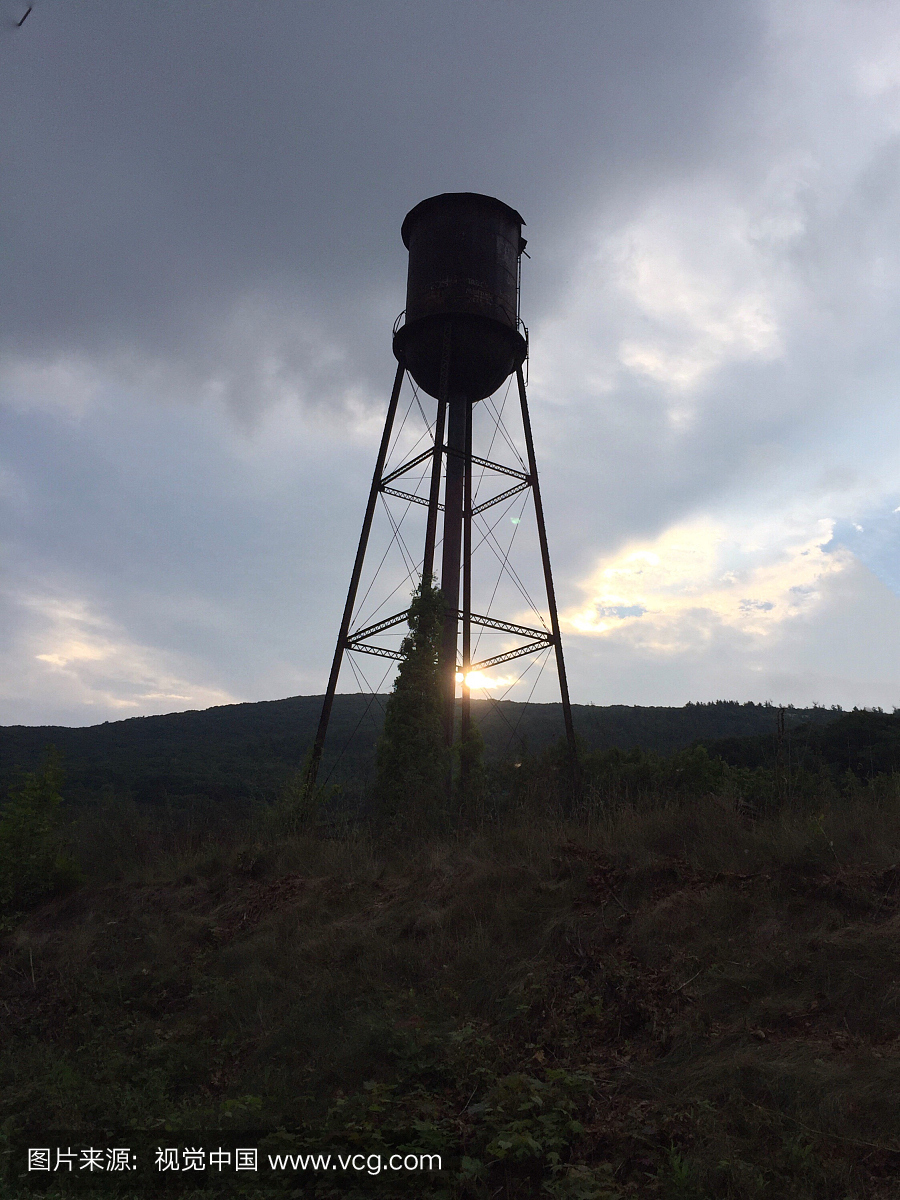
x: 236, y: 752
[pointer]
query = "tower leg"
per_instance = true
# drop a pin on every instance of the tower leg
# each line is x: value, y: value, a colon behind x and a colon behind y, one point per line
x: 466, y: 705
x: 453, y: 514
x: 548, y: 579
x: 319, y: 743
x: 434, y: 495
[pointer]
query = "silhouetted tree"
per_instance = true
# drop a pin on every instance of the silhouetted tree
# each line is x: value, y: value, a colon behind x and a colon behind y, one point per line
x: 412, y: 762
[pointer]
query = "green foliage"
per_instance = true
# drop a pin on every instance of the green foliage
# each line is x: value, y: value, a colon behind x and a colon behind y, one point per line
x: 678, y: 1177
x: 412, y: 762
x: 33, y: 863
x: 473, y: 779
x: 610, y: 778
x: 636, y: 773
x: 298, y: 804
x: 535, y: 1118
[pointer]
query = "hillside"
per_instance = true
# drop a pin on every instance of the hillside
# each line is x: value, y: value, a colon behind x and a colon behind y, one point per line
x: 667, y: 1002
x: 238, y: 752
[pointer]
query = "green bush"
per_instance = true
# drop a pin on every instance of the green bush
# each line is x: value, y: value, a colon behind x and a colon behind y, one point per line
x: 33, y: 861
x: 412, y: 761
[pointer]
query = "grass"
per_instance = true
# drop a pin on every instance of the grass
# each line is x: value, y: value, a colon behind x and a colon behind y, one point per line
x: 656, y: 998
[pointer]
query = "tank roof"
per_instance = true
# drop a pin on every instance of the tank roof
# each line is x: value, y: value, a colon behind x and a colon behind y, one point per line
x: 414, y: 213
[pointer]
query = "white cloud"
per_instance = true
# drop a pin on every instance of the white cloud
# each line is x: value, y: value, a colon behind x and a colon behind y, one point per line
x: 700, y: 288
x: 67, y: 386
x: 83, y: 659
x: 840, y: 650
x: 662, y: 593
x: 695, y: 281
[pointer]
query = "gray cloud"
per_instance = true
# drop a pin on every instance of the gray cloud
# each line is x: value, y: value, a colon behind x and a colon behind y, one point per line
x: 165, y: 162
x: 199, y: 215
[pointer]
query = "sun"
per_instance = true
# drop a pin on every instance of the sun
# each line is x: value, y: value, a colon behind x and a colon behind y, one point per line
x: 475, y: 679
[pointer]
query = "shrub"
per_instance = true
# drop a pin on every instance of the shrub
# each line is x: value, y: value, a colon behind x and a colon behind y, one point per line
x: 33, y: 862
x: 412, y: 761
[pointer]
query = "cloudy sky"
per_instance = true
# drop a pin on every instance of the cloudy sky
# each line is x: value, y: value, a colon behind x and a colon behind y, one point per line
x: 201, y: 264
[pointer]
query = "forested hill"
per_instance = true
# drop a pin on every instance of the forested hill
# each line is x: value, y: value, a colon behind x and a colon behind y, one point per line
x: 864, y: 743
x: 238, y: 751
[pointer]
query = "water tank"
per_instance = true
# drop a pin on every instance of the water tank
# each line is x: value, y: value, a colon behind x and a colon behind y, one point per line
x: 463, y: 269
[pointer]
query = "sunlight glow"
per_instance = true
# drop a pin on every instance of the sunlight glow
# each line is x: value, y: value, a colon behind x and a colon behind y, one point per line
x: 701, y: 574
x: 475, y: 679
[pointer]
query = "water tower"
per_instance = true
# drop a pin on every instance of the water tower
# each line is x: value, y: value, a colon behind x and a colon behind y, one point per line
x: 460, y: 341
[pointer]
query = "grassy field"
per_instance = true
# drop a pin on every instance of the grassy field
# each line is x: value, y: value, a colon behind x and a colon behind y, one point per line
x: 650, y: 996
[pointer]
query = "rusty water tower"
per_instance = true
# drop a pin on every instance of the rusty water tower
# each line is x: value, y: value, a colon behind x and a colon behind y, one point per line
x: 464, y: 255
x: 460, y: 341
